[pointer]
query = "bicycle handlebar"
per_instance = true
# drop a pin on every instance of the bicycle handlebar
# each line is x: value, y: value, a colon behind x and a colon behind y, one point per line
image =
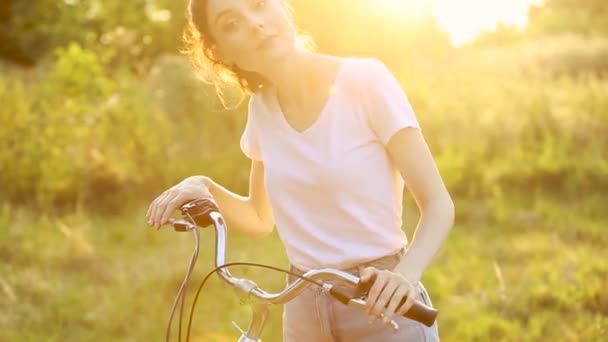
x: 204, y: 212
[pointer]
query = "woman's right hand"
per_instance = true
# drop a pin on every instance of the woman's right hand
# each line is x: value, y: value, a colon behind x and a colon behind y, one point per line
x: 189, y: 189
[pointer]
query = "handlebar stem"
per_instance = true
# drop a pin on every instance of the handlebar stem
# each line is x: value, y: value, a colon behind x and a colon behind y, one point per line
x: 256, y: 325
x: 220, y: 247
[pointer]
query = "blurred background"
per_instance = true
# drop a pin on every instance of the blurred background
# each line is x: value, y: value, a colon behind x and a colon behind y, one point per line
x: 99, y: 114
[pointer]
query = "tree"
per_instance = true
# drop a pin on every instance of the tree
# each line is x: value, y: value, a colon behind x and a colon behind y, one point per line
x: 123, y: 32
x: 586, y: 17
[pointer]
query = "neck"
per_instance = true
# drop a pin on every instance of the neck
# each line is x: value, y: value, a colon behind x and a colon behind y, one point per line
x: 292, y: 78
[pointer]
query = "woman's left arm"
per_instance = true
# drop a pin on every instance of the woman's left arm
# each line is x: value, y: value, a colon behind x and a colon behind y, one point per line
x: 410, y: 153
x: 412, y: 156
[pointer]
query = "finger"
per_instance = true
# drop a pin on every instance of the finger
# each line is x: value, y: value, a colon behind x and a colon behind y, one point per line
x: 172, y: 204
x: 158, y: 209
x: 385, y: 297
x: 411, y: 298
x: 151, y: 208
x: 367, y: 274
x: 398, y: 295
x: 376, y: 289
x: 154, y: 208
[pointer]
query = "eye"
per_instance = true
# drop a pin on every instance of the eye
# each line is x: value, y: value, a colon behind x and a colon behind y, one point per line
x: 259, y: 4
x: 230, y: 25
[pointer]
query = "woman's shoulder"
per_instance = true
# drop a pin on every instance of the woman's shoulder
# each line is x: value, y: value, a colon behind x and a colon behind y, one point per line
x: 356, y: 67
x: 367, y: 68
x: 259, y: 102
x: 363, y: 74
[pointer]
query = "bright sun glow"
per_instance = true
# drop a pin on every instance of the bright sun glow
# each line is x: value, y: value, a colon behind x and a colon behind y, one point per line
x: 463, y: 20
x: 401, y: 8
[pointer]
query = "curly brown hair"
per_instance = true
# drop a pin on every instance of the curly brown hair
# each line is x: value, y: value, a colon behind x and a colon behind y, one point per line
x: 199, y: 43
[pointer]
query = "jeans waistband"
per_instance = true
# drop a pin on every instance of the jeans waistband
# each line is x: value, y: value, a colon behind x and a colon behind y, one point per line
x: 385, y: 262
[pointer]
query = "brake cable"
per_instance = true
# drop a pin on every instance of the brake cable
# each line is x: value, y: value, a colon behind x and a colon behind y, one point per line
x: 278, y: 269
x: 181, y: 294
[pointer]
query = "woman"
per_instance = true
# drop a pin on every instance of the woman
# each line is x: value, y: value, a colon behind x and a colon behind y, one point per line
x: 333, y: 141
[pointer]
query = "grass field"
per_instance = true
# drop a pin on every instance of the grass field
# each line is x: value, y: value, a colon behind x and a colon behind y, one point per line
x: 112, y: 115
x: 524, y: 269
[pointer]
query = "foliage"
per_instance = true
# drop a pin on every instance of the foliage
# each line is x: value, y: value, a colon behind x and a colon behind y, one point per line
x: 124, y: 33
x: 108, y: 278
x: 78, y: 133
x: 586, y: 17
x: 110, y: 117
x: 539, y: 121
x: 521, y: 119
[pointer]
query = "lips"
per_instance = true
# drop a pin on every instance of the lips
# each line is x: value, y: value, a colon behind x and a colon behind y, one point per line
x: 266, y: 42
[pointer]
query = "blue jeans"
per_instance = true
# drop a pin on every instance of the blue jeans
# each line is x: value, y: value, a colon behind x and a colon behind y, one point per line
x: 314, y: 316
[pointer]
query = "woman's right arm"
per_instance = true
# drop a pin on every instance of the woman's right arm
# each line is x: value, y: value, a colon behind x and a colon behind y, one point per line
x: 251, y: 215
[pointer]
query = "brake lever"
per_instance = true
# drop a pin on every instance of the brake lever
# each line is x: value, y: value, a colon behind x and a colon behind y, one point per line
x: 196, y: 213
x: 181, y: 225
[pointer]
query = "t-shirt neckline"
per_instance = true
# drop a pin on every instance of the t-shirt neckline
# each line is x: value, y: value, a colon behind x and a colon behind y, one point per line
x: 321, y: 114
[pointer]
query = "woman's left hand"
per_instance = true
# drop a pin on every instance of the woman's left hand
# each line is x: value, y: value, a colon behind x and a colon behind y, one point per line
x: 386, y: 293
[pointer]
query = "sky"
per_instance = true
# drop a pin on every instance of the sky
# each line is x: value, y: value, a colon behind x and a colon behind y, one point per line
x: 463, y: 20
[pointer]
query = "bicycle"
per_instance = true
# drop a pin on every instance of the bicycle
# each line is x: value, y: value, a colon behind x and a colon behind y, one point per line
x: 203, y: 213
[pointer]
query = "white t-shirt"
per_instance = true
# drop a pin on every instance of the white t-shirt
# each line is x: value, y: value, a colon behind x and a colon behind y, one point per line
x: 335, y: 194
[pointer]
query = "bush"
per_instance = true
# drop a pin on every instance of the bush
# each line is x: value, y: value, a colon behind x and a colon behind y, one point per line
x: 84, y: 133
x: 510, y: 125
x: 123, y: 33
x: 78, y: 136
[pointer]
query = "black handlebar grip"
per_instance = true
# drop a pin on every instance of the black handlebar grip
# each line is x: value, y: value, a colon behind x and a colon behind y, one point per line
x: 199, y: 210
x: 418, y: 311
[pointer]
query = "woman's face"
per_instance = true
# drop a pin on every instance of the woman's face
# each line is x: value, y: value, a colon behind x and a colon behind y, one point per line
x: 253, y: 34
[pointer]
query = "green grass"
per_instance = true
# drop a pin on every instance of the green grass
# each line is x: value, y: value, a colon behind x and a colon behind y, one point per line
x: 518, y: 270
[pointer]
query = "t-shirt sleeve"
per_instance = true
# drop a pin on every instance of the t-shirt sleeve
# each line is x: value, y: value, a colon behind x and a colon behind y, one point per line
x: 387, y: 107
x: 249, y: 140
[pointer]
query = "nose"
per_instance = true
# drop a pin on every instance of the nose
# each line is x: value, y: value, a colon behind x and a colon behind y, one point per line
x: 256, y: 24
x: 257, y: 27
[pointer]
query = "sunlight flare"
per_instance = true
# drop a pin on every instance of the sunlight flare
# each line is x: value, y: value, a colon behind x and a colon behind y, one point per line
x: 463, y: 20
